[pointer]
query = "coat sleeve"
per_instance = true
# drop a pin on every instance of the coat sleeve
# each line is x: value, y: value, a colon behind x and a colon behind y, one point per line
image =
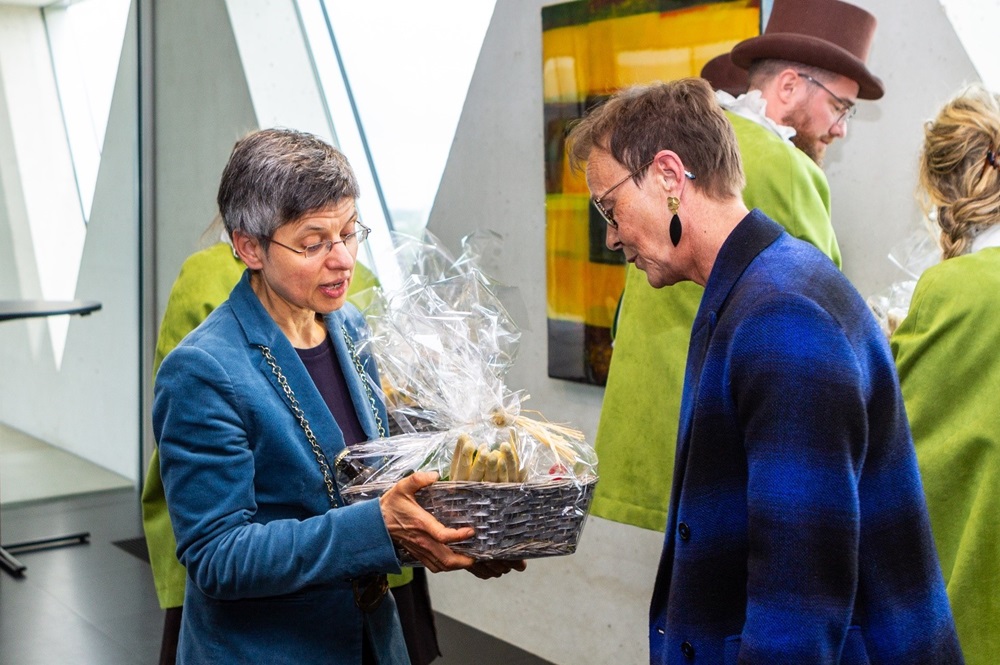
x: 208, y: 471
x: 799, y: 395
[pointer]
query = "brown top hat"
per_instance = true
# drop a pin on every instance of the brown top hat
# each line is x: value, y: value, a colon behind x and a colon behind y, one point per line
x: 828, y: 34
x: 724, y: 75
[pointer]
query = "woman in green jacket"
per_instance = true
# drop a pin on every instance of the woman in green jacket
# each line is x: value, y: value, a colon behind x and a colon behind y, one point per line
x: 946, y: 350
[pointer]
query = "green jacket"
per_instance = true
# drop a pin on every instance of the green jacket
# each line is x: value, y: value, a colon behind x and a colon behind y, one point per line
x: 949, y: 370
x: 204, y: 282
x: 637, y: 432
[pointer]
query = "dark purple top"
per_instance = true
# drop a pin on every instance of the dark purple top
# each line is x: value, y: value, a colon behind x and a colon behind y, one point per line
x: 321, y: 362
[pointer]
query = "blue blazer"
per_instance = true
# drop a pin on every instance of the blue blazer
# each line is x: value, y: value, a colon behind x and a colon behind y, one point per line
x: 797, y: 530
x: 269, y: 562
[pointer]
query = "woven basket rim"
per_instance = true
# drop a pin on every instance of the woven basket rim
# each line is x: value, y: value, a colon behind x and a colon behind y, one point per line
x: 582, y: 482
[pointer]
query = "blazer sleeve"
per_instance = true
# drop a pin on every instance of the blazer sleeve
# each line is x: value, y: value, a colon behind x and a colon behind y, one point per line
x: 799, y: 399
x: 208, y: 471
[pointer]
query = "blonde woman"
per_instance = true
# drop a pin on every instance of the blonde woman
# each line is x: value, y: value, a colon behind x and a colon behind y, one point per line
x: 946, y: 350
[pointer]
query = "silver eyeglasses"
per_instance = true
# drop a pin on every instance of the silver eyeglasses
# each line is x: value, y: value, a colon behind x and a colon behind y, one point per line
x: 845, y: 108
x: 321, y: 249
x: 608, y: 215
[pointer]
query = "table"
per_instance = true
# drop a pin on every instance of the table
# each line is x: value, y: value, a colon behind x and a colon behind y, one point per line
x: 11, y: 310
x: 24, y: 309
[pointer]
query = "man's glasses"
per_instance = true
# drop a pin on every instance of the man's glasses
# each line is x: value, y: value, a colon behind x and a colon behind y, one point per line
x: 845, y: 108
x: 322, y: 249
x: 608, y: 215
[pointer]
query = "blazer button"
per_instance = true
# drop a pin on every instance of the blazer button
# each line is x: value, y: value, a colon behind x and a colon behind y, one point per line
x: 683, y: 531
x: 687, y: 650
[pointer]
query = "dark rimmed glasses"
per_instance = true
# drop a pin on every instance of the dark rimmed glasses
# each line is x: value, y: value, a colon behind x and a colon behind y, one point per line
x: 321, y: 249
x: 845, y: 107
x: 608, y: 215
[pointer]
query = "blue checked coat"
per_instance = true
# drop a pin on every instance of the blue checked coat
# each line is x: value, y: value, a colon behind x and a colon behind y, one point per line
x: 797, y: 530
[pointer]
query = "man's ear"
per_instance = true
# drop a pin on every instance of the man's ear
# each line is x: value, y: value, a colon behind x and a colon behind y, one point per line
x: 249, y: 250
x: 785, y: 86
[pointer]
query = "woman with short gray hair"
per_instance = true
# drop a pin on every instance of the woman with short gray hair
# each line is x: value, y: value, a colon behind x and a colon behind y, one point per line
x: 250, y: 412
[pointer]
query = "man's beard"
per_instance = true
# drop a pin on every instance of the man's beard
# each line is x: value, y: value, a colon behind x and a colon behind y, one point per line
x: 798, y: 118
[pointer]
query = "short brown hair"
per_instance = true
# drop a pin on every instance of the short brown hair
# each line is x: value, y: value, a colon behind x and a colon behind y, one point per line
x: 683, y: 116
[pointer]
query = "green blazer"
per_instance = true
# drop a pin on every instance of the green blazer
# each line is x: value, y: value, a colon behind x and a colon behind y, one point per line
x: 637, y: 432
x: 205, y: 281
x: 949, y: 369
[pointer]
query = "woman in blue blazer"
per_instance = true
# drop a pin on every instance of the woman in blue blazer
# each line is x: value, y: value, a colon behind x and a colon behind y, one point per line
x: 797, y: 530
x: 250, y: 413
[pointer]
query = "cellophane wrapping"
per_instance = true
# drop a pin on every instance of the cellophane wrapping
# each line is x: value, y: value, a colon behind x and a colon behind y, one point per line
x: 912, y: 255
x: 444, y: 342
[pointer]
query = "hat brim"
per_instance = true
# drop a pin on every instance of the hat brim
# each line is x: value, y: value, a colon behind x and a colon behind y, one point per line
x: 722, y: 74
x: 809, y: 51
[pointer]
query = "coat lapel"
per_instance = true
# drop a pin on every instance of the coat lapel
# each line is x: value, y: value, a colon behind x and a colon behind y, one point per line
x: 362, y: 393
x: 261, y: 330
x: 750, y: 237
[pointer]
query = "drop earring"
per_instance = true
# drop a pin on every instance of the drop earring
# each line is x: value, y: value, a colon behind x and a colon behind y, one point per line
x: 675, y: 222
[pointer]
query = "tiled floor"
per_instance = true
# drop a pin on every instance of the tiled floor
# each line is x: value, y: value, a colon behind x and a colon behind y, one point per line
x: 94, y: 604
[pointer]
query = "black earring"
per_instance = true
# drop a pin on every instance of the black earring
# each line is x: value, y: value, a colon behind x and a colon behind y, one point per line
x: 675, y: 222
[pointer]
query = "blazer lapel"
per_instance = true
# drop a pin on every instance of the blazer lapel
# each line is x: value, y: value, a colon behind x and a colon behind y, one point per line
x: 750, y: 237
x: 362, y: 395
x: 261, y: 331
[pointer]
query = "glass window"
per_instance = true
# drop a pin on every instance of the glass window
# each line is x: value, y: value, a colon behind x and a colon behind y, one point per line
x: 85, y: 41
x: 58, y: 67
x: 409, y: 65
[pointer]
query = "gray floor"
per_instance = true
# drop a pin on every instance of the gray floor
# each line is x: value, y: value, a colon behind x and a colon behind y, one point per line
x: 94, y: 604
x: 83, y: 604
x: 32, y: 470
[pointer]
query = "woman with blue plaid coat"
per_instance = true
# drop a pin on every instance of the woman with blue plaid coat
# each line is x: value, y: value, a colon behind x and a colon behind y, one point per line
x: 797, y: 529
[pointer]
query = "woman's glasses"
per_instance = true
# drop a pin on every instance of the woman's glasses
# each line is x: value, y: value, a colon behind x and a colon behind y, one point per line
x: 608, y: 215
x: 321, y: 249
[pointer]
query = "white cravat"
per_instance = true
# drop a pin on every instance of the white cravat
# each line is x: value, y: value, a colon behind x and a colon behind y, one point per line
x: 752, y: 106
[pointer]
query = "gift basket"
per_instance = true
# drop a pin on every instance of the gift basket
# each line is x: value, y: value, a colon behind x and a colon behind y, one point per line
x: 911, y: 255
x: 444, y: 342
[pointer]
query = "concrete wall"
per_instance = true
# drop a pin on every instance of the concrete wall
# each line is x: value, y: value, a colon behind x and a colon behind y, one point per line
x: 88, y: 404
x: 592, y: 607
x: 202, y: 106
x: 873, y: 173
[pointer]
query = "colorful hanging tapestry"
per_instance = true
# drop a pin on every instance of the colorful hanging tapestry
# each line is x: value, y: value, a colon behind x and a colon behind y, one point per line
x: 590, y: 49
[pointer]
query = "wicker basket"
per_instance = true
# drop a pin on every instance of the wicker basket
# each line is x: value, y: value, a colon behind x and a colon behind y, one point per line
x: 512, y: 520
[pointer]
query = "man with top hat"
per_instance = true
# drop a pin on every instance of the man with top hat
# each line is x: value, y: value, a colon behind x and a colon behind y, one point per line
x: 800, y: 80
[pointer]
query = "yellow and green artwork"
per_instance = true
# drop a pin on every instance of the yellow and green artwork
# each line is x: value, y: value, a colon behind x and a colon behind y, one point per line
x: 591, y: 49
